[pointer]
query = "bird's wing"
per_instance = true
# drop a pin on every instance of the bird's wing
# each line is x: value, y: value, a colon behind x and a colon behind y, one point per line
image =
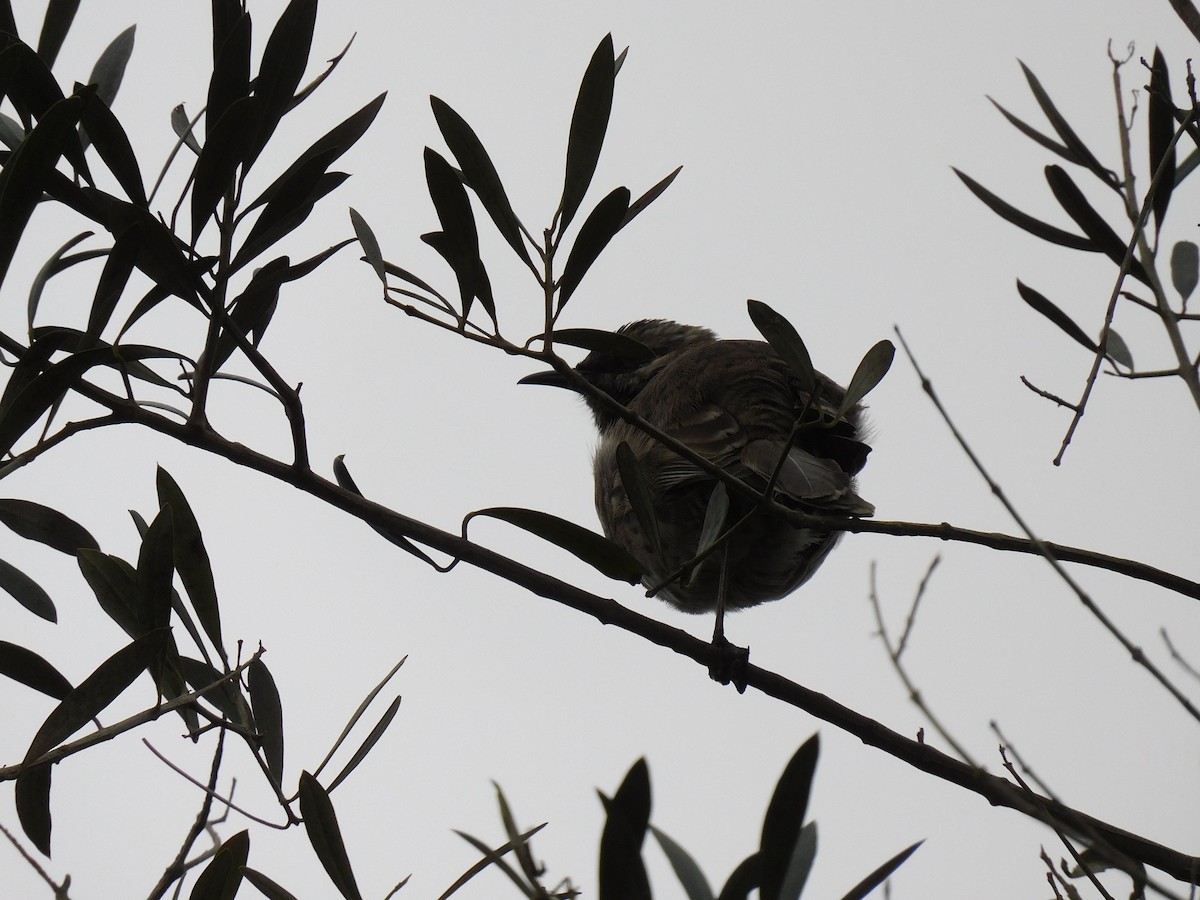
x: 805, y: 478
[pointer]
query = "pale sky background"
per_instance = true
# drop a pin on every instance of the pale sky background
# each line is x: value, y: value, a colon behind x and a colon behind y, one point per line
x: 816, y: 141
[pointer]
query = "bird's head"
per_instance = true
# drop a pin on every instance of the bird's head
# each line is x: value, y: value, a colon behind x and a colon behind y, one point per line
x: 622, y: 369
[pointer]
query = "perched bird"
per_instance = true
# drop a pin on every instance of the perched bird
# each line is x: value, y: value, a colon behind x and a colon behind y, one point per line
x: 734, y: 403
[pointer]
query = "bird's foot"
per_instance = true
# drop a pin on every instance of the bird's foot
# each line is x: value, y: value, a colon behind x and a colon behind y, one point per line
x: 728, y: 663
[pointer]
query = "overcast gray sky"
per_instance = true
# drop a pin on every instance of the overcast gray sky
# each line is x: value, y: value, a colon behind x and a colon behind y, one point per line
x: 816, y: 141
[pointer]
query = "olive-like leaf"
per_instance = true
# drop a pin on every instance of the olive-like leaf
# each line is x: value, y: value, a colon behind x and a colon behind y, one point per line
x: 594, y: 549
x: 589, y: 122
x: 11, y: 132
x: 227, y: 697
x: 283, y: 215
x: 649, y: 197
x: 184, y: 128
x: 191, y: 557
x: 58, y: 261
x: 459, y: 244
x: 694, y: 884
x: 112, y: 580
x: 45, y: 525
x: 155, y: 571
x: 604, y: 222
x: 1036, y: 227
x: 1033, y: 134
x: 320, y: 822
x: 24, y: 178
x: 745, y: 877
x: 265, y: 886
x: 785, y: 817
x: 344, y: 479
x: 32, y: 796
x: 365, y: 747
x: 27, y: 592
x: 871, y: 370
x: 268, y: 717
x: 115, y: 276
x: 283, y: 62
x: 222, y: 877
x: 1185, y: 267
x: 32, y: 671
x: 803, y: 856
x: 637, y: 489
x: 60, y: 14
x: 1046, y: 307
x: 622, y: 874
x: 370, y: 244
x: 784, y: 340
x: 1161, y: 131
x: 109, y: 70
x: 112, y: 143
x: 1117, y: 350
x: 880, y: 875
x: 1064, y: 131
x: 230, y: 80
x: 1071, y: 198
x: 480, y: 174
x: 611, y: 343
x: 225, y: 148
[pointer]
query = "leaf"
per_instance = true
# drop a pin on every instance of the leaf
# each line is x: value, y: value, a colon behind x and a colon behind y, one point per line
x: 611, y: 343
x: 686, y: 869
x: 285, y: 214
x: 222, y: 877
x: 152, y: 590
x: 344, y: 479
x: 599, y: 228
x: 649, y: 197
x: 45, y: 525
x: 589, y: 122
x: 60, y: 14
x: 283, y: 62
x: 1047, y: 308
x: 785, y: 816
x: 715, y: 513
x: 230, y: 80
x: 112, y: 143
x: 871, y: 370
x: 622, y: 874
x: 31, y: 670
x: 27, y: 592
x: 320, y: 822
x: 1185, y: 267
x: 1161, y: 131
x: 1033, y: 134
x: 370, y: 246
x: 594, y: 549
x: 785, y: 341
x: 226, y: 697
x: 32, y: 796
x: 112, y: 580
x: 191, y: 557
x: 1117, y: 350
x: 11, y: 132
x: 225, y: 149
x: 365, y: 747
x: 480, y: 174
x: 109, y: 70
x: 880, y: 875
x: 1093, y: 224
x: 25, y: 176
x: 1064, y: 131
x: 745, y: 878
x: 637, y: 489
x: 1034, y: 226
x: 803, y: 855
x: 460, y: 240
x: 113, y: 279
x: 184, y: 128
x: 268, y: 717
x: 265, y: 885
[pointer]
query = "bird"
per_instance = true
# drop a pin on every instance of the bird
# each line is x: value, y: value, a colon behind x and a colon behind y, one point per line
x: 740, y: 407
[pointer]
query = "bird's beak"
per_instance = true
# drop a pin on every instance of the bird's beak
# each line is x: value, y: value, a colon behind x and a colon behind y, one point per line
x: 550, y: 377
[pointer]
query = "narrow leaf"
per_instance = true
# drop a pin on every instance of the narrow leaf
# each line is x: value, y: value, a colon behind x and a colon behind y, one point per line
x: 346, y: 482
x: 227, y: 697
x: 268, y: 888
x: 589, y: 122
x: 1034, y: 226
x: 599, y: 228
x: 594, y: 549
x: 871, y: 370
x: 224, y: 150
x: 191, y: 558
x: 1161, y: 130
x: 480, y: 174
x: 112, y: 143
x: 112, y: 580
x: 622, y: 874
x: 32, y: 796
x: 32, y: 671
x: 649, y: 197
x: 27, y: 592
x: 370, y: 246
x: 113, y: 279
x: 1064, y: 131
x: 45, y: 525
x: 1117, y: 350
x: 1071, y: 198
x: 803, y: 856
x: 184, y: 128
x: 283, y: 62
x: 610, y: 343
x: 1046, y: 307
x: 785, y: 817
x: 222, y: 877
x: 365, y: 747
x: 1033, y: 134
x: 268, y: 717
x: 460, y: 240
x: 320, y: 822
x: 60, y: 14
x: 1185, y: 267
x: 880, y: 875
x: 694, y: 884
x: 783, y: 338
x: 109, y: 70
x: 230, y: 80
